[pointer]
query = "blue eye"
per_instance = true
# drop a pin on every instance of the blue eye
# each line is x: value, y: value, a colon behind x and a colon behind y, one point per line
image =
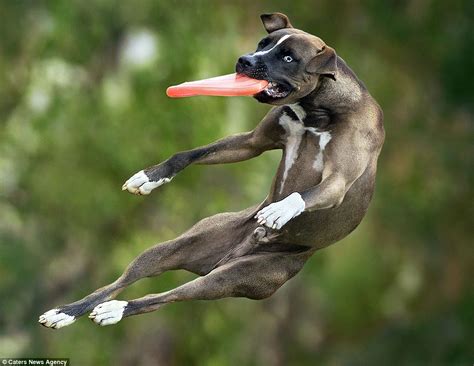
x: 287, y: 58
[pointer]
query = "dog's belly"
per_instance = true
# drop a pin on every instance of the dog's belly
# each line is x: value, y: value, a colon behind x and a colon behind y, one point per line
x: 321, y: 228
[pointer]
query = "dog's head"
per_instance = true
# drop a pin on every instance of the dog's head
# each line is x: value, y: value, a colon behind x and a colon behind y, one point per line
x: 291, y: 60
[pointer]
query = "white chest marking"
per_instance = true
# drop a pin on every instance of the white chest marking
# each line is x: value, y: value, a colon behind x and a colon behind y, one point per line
x: 259, y: 53
x: 324, y: 138
x: 295, y: 130
x: 299, y: 111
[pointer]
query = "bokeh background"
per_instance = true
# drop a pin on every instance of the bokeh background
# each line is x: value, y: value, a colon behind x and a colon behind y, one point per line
x: 83, y: 106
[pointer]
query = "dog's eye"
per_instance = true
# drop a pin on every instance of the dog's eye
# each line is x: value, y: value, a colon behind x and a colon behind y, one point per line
x: 287, y: 58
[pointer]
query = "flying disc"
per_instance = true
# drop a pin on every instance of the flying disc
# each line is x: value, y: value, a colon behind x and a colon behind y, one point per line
x: 225, y: 86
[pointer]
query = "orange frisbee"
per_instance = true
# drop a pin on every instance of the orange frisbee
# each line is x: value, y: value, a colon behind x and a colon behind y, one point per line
x: 225, y: 86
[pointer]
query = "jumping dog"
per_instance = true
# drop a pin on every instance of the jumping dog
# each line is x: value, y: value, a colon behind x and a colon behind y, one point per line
x: 330, y: 130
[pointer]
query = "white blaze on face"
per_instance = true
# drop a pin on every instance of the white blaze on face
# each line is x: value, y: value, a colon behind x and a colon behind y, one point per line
x: 259, y: 53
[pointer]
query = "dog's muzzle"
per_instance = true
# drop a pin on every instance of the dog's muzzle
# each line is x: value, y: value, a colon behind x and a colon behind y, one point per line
x: 250, y: 66
x: 245, y: 63
x: 253, y: 67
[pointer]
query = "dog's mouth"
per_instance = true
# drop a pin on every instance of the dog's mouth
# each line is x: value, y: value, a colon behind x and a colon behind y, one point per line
x: 276, y: 90
x: 273, y: 91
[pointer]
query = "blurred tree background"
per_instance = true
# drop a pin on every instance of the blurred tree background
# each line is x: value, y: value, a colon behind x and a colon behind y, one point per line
x: 83, y: 107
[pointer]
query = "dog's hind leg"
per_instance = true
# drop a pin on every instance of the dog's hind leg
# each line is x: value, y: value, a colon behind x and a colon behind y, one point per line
x: 198, y: 251
x: 255, y: 276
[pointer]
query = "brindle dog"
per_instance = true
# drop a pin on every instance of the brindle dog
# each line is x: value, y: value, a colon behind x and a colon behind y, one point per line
x: 330, y: 131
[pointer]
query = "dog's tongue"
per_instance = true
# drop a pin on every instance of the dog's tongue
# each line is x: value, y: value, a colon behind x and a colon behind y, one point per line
x: 226, y: 86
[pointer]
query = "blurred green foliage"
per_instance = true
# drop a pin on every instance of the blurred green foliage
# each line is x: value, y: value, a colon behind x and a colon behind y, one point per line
x: 82, y: 107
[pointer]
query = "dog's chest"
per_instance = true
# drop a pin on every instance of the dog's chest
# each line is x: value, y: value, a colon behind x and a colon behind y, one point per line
x: 305, y: 140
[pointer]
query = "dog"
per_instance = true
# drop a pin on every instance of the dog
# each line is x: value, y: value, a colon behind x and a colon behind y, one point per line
x: 330, y: 130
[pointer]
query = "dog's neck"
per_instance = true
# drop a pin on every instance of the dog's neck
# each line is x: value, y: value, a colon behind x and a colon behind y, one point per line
x: 335, y: 96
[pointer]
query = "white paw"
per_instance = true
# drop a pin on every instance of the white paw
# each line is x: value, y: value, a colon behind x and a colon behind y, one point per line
x: 140, y: 184
x: 108, y: 313
x: 55, y: 319
x: 277, y: 214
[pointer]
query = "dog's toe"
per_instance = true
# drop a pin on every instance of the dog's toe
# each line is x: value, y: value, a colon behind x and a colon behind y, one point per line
x: 107, y: 313
x: 135, y: 182
x: 147, y: 187
x: 140, y: 184
x: 56, y: 319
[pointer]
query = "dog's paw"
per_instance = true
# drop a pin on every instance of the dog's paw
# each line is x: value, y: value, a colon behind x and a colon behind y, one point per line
x: 107, y: 313
x: 279, y: 213
x: 141, y: 184
x: 56, y: 319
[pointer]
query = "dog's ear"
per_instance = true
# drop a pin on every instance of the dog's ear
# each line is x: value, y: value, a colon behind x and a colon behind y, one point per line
x: 275, y: 21
x: 324, y: 63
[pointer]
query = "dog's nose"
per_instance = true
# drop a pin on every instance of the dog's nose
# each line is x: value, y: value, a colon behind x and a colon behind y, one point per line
x: 246, y: 61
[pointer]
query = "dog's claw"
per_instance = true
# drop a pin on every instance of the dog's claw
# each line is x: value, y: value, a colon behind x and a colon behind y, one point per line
x: 277, y: 214
x: 56, y: 319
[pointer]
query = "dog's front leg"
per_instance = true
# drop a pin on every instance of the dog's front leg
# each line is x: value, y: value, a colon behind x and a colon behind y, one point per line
x: 329, y: 193
x: 228, y: 150
x: 340, y: 171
